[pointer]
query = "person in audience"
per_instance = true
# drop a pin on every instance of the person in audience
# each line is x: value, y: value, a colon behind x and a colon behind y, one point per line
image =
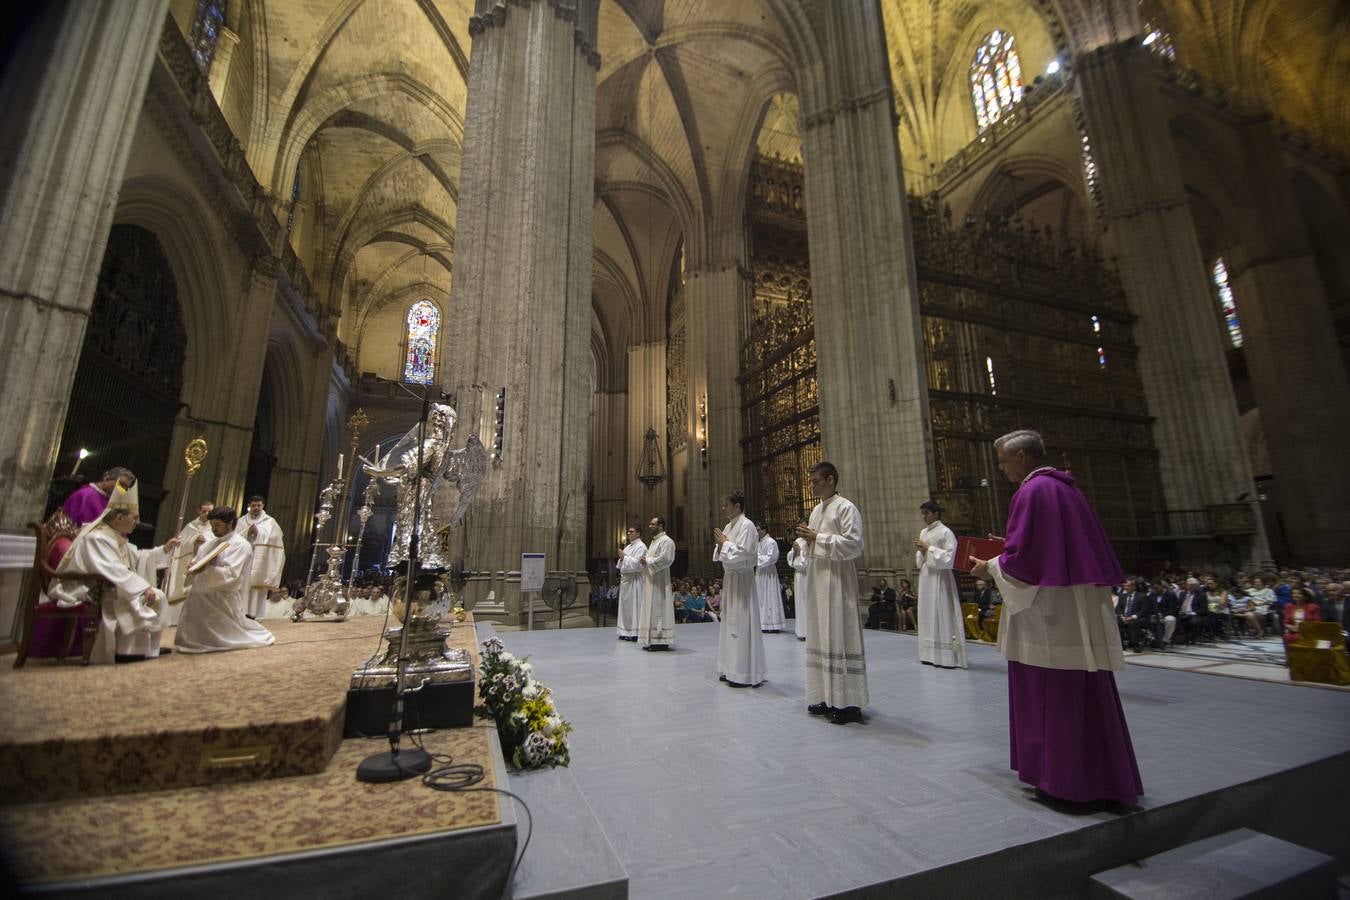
x: 1193, y: 610
x: 1218, y: 605
x: 696, y: 606
x: 1166, y: 608
x: 1240, y: 609
x: 1136, y: 611
x: 907, y: 607
x: 1300, y: 609
x: 986, y: 599
x: 714, y: 598
x: 1262, y: 601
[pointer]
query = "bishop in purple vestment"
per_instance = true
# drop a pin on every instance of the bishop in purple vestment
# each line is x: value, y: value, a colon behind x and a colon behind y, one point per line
x: 1066, y: 727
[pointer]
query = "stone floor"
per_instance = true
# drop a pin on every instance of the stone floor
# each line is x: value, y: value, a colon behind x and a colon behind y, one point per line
x: 703, y: 791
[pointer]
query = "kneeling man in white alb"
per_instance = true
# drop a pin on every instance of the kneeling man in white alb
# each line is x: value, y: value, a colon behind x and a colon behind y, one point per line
x: 213, y: 615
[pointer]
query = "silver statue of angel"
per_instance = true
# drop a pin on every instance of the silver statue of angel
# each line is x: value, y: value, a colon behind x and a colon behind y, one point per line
x: 400, y: 467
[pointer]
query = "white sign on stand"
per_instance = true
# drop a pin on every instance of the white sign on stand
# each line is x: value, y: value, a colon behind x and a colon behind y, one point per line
x: 531, y: 581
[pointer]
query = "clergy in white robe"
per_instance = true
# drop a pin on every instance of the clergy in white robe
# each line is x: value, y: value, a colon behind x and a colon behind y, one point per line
x: 942, y: 631
x: 656, y: 623
x: 213, y: 615
x: 836, y: 666
x: 630, y: 584
x: 740, y: 644
x: 798, y: 558
x: 768, y: 590
x: 175, y: 584
x: 269, y: 555
x: 129, y: 623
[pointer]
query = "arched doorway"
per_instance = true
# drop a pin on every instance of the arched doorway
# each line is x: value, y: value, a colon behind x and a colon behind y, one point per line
x: 130, y: 375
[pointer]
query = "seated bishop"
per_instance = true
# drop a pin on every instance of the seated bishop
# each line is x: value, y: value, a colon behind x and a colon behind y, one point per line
x: 129, y: 624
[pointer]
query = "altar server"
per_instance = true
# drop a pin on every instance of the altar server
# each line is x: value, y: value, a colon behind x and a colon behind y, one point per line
x: 1066, y: 727
x: 942, y: 628
x: 213, y: 615
x: 656, y: 623
x: 798, y: 558
x: 836, y: 667
x: 193, y: 535
x: 269, y: 555
x: 630, y: 584
x: 740, y: 645
x: 768, y: 590
x: 129, y: 627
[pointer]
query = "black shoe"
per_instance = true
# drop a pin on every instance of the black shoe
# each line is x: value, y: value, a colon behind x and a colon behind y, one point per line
x: 801, y: 639
x: 737, y: 684
x: 247, y: 616
x: 846, y: 715
x: 647, y: 647
x: 819, y: 709
x: 721, y: 678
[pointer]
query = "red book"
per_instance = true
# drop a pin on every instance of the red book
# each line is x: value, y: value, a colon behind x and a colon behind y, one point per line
x: 980, y: 548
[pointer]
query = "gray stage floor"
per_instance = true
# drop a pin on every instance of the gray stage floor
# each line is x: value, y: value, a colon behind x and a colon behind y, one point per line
x: 707, y: 791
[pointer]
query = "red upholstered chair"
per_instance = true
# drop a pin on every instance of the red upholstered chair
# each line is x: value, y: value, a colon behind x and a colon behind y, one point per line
x: 59, y: 530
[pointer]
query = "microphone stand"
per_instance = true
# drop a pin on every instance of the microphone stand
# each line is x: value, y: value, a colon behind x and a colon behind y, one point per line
x: 397, y: 764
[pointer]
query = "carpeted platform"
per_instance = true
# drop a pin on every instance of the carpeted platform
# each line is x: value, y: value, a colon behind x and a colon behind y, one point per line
x: 186, y: 720
x: 106, y: 836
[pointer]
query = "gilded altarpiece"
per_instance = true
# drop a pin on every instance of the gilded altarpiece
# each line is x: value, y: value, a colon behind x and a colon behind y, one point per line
x: 1020, y: 330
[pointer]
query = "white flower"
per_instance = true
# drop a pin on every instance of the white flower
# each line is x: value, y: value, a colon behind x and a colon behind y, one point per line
x: 526, y: 668
x: 506, y: 656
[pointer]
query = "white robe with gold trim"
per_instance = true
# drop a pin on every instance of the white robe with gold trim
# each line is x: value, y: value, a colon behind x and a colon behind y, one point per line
x: 129, y: 625
x: 175, y: 585
x: 269, y: 558
x: 630, y: 588
x: 656, y: 623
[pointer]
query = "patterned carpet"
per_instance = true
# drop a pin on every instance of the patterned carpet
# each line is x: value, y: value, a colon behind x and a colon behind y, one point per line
x: 184, y: 720
x: 103, y: 836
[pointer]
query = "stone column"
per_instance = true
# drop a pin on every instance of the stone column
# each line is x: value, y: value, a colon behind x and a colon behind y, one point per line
x: 226, y: 41
x: 522, y: 291
x: 71, y: 99
x: 869, y: 343
x: 609, y: 489
x: 223, y: 412
x: 1147, y: 220
x: 646, y: 409
x: 1289, y: 341
x: 718, y: 300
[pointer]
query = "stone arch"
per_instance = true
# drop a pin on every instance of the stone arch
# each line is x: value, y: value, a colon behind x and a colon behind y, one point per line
x: 1022, y: 185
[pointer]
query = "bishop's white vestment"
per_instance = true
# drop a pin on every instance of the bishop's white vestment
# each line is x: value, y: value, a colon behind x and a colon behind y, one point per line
x: 656, y: 623
x: 129, y: 625
x: 942, y: 633
x: 768, y: 590
x: 175, y: 585
x: 836, y: 666
x: 798, y: 558
x: 740, y: 645
x: 630, y: 588
x: 269, y: 557
x: 213, y: 615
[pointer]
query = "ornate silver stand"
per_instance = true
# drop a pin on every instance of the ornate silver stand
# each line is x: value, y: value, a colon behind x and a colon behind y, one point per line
x: 429, y: 660
x: 327, y: 594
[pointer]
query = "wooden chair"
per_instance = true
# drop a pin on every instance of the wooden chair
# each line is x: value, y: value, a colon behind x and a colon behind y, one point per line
x: 971, y: 613
x: 991, y: 624
x: 1322, y: 665
x: 34, y: 609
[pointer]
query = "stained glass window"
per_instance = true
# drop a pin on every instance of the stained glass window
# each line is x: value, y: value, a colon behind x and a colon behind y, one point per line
x: 995, y: 78
x: 1159, y: 41
x: 1227, y: 307
x: 989, y: 371
x: 424, y: 327
x: 205, y: 31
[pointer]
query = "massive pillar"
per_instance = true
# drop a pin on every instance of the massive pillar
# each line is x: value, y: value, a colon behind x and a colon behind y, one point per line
x: 646, y: 409
x: 1289, y: 341
x: 717, y: 297
x: 523, y: 281
x: 71, y: 99
x: 869, y: 344
x: 1148, y: 223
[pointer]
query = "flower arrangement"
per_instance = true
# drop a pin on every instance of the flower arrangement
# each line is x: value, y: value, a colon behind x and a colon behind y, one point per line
x: 532, y: 733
